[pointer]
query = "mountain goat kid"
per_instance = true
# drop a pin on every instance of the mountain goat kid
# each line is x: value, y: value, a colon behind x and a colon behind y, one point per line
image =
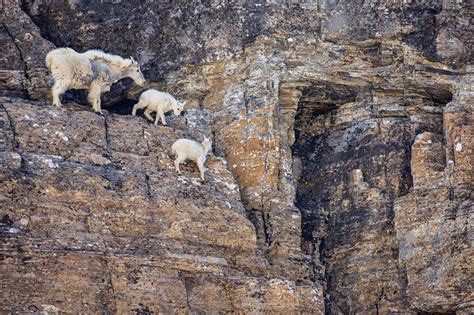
x: 159, y: 102
x: 186, y: 149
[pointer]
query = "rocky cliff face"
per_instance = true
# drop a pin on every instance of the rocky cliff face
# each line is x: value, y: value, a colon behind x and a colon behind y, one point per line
x: 341, y: 178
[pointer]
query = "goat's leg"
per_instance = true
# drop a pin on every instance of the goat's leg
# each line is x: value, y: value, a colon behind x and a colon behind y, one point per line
x: 59, y: 88
x: 201, y: 167
x: 179, y: 160
x: 98, y: 106
x: 147, y: 114
x: 162, y: 116
x: 94, y: 97
x: 140, y: 105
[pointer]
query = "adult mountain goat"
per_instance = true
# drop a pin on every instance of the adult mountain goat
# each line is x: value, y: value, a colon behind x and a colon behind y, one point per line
x: 186, y: 149
x: 159, y: 102
x: 93, y: 70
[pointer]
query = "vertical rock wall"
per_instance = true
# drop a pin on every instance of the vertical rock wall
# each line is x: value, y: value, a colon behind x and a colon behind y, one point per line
x: 345, y: 124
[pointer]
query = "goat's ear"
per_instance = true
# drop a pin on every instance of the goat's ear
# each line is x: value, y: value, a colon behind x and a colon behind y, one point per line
x: 133, y: 60
x: 183, y: 103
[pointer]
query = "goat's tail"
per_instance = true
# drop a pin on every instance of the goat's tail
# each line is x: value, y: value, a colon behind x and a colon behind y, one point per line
x: 49, y: 60
x: 58, y: 53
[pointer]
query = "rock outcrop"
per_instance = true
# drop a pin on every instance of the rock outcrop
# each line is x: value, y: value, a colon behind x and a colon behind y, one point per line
x: 95, y: 219
x: 341, y: 180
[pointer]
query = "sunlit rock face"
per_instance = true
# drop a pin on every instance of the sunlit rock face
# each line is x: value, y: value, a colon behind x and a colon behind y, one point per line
x: 340, y: 180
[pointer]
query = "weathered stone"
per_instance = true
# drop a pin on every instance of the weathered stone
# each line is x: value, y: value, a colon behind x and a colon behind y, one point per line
x: 12, y: 159
x: 125, y: 221
x: 347, y: 127
x: 433, y: 221
x: 27, y: 48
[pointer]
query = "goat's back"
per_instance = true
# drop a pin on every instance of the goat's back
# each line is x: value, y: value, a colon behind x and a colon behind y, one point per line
x: 67, y: 63
x: 152, y: 96
x: 189, y: 148
x: 59, y: 54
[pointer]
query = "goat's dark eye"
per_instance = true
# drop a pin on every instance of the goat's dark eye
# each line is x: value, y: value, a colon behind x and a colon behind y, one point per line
x: 138, y: 70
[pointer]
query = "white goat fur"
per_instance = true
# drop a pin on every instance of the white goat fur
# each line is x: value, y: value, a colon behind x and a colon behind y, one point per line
x: 159, y: 102
x: 186, y: 149
x: 93, y: 70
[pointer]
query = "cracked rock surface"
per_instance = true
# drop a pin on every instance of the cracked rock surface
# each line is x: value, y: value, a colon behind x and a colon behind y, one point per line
x: 106, y: 224
x: 340, y: 180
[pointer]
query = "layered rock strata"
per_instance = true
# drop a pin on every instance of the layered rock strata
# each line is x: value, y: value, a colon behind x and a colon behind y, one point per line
x: 345, y: 125
x: 95, y: 219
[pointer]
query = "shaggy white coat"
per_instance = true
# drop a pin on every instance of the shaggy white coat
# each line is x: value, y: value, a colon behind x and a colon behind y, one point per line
x: 186, y: 149
x: 93, y: 70
x: 159, y: 102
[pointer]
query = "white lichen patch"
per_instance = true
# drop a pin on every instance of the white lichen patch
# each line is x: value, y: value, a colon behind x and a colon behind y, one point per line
x: 315, y: 295
x: 50, y: 163
x: 186, y: 180
x: 288, y: 285
x: 24, y: 221
x: 50, y: 309
x: 228, y: 185
x: 458, y: 147
x: 62, y: 136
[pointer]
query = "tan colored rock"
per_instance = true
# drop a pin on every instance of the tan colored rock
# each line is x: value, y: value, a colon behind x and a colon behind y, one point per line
x: 347, y: 135
x: 432, y: 221
x: 427, y: 159
x: 153, y: 239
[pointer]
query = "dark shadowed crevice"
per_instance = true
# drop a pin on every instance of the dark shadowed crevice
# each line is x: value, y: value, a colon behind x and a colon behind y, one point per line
x: 15, y: 143
x: 423, y: 36
x: 315, y: 113
x: 406, y: 179
x: 426, y: 103
x: 42, y: 29
x: 106, y: 128
x: 23, y: 61
x: 261, y: 222
x: 267, y: 228
x: 122, y: 107
x: 111, y: 287
x: 346, y: 145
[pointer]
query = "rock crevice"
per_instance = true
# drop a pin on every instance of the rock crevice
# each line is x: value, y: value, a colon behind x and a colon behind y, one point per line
x: 341, y: 181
